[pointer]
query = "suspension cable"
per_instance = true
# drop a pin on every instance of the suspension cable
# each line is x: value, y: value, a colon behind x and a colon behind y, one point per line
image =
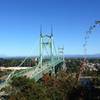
x: 15, y: 70
x: 9, y: 76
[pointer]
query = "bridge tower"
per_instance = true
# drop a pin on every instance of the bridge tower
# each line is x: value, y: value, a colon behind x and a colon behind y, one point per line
x: 46, y: 41
x: 61, y: 56
x: 61, y: 53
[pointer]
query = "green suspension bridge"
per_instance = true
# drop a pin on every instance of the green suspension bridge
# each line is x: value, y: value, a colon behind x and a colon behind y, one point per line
x: 51, y: 65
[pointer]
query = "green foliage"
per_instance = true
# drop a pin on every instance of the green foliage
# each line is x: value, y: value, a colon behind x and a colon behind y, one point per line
x: 63, y: 86
x: 26, y: 89
x: 3, y: 73
x: 12, y: 62
x: 55, y: 88
x: 73, y: 65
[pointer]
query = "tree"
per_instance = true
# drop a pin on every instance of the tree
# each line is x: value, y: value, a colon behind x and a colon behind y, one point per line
x: 23, y: 88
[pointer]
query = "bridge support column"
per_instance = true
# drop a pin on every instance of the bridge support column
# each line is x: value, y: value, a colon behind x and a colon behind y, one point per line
x: 46, y: 43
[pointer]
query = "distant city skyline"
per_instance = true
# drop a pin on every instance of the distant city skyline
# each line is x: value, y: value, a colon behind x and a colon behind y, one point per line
x: 20, y: 22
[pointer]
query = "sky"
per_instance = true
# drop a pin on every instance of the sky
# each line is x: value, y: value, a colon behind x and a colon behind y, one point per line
x: 20, y: 22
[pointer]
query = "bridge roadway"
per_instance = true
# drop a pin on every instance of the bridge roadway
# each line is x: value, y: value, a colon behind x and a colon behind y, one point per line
x: 36, y: 72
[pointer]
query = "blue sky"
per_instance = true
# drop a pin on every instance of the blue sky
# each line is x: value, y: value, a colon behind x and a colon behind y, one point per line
x: 20, y: 22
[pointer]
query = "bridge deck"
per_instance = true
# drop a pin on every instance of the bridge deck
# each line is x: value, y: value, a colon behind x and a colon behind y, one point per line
x: 35, y: 72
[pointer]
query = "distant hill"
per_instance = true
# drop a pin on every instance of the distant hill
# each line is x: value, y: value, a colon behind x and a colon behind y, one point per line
x: 2, y: 56
x: 67, y: 56
x: 81, y: 56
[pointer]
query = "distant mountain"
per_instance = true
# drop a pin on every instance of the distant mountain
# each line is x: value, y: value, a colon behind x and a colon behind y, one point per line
x: 81, y: 56
x: 94, y: 56
x: 2, y: 56
x: 67, y: 56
